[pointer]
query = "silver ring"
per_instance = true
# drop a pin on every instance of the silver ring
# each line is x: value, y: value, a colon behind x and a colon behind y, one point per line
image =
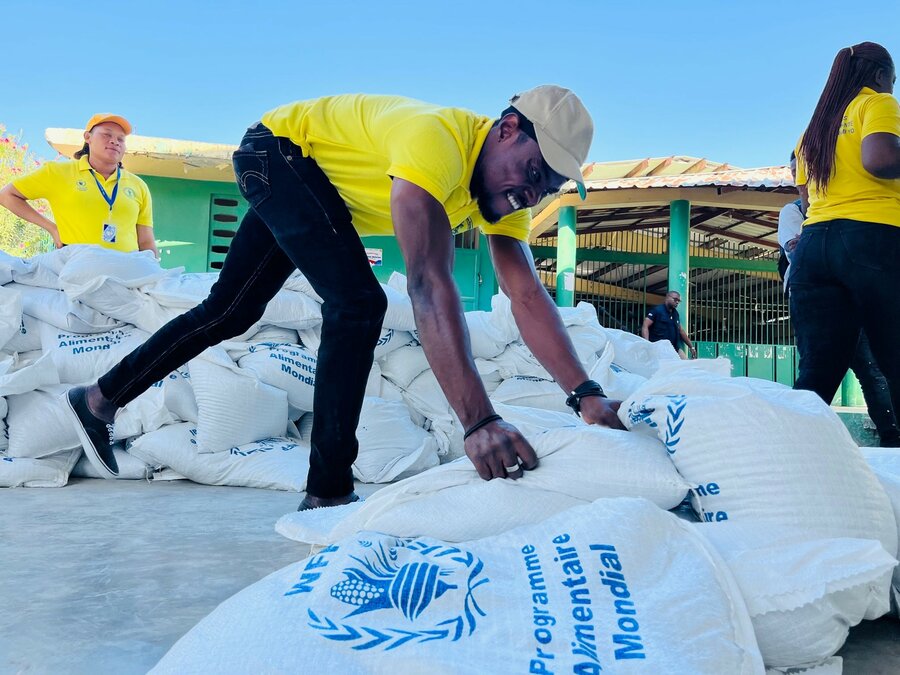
x: 510, y: 469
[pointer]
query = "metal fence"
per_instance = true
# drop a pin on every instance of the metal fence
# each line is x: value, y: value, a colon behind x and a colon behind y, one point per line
x: 725, y: 305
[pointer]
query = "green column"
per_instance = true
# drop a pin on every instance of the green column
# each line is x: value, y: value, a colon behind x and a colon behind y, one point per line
x: 565, y: 257
x: 679, y: 253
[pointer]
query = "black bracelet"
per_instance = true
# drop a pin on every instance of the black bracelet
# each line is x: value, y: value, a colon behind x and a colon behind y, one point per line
x: 587, y: 388
x: 483, y: 423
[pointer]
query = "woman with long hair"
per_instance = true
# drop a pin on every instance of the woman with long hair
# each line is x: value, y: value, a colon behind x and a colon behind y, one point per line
x: 846, y: 267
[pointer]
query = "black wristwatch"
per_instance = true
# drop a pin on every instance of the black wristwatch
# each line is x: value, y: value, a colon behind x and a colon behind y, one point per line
x: 588, y: 388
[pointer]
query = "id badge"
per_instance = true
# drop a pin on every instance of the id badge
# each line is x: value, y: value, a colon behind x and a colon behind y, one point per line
x: 109, y: 233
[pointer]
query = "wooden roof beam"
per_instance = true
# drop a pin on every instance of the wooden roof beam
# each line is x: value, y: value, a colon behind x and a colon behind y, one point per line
x: 638, y: 168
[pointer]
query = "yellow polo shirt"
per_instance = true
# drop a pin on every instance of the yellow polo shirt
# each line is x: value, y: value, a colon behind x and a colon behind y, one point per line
x: 853, y: 192
x: 79, y: 209
x: 361, y: 141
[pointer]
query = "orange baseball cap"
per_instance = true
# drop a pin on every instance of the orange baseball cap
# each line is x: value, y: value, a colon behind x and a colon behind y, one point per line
x: 100, y: 118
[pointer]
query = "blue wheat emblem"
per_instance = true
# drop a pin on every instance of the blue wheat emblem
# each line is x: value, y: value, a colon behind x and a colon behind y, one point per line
x: 674, y: 422
x: 380, y: 583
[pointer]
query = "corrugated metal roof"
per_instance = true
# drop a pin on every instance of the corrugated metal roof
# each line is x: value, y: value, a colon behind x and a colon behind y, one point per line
x: 764, y: 177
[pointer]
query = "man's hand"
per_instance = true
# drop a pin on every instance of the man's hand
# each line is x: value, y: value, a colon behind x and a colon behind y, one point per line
x: 498, y: 447
x: 602, y: 411
x: 792, y: 244
x: 693, y: 349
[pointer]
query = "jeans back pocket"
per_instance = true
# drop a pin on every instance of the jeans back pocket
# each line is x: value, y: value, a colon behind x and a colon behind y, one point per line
x: 251, y: 168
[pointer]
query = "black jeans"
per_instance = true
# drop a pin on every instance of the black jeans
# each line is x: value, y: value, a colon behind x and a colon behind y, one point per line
x: 876, y: 392
x: 296, y: 220
x: 845, y: 278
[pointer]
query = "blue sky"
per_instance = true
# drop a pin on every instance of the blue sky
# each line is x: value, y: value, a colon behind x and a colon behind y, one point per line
x: 730, y: 81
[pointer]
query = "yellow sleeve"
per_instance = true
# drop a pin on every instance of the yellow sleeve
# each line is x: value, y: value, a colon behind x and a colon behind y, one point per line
x: 516, y: 225
x: 881, y: 115
x: 145, y: 215
x: 801, y: 165
x: 425, y: 152
x: 38, y: 184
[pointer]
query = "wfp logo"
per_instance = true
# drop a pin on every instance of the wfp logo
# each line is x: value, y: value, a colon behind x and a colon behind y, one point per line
x: 427, y: 595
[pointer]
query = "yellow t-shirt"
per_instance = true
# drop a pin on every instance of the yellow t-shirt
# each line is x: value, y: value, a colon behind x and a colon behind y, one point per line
x: 360, y: 142
x: 853, y: 192
x: 79, y: 209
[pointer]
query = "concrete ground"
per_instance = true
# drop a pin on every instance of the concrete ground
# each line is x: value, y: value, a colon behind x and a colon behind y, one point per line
x: 104, y: 576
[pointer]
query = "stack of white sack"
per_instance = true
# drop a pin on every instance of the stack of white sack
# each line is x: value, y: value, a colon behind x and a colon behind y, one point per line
x: 616, y: 585
x: 781, y: 490
x: 70, y: 315
x: 786, y: 496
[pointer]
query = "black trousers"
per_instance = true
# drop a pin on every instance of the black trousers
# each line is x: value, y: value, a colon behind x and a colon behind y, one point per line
x: 296, y: 220
x: 844, y: 279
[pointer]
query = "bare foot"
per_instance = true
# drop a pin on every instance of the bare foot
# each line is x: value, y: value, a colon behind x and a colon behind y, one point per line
x: 313, y: 502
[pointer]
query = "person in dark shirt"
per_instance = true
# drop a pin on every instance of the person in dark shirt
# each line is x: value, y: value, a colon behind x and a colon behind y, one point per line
x: 663, y: 323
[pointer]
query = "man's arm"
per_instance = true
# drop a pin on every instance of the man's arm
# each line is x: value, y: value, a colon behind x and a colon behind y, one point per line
x: 423, y: 232
x: 687, y: 341
x: 16, y: 202
x: 645, y: 328
x: 541, y: 326
x: 790, y: 223
x: 146, y: 240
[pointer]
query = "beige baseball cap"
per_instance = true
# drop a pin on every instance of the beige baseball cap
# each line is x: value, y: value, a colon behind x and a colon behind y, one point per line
x: 563, y: 127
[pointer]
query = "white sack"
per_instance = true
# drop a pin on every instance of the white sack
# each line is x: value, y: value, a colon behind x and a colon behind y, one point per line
x: 403, y: 365
x: 10, y: 315
x: 391, y: 446
x: 399, y: 312
x: 486, y: 336
x: 531, y: 392
x: 123, y: 303
x: 51, y: 471
x: 637, y: 355
x: 290, y: 368
x: 53, y: 307
x: 577, y: 465
x: 130, y: 467
x: 617, y: 382
x: 234, y: 408
x: 803, y: 595
x: 517, y: 359
x: 39, y: 425
x: 43, y: 270
x: 81, y: 359
x: 26, y: 338
x: 271, y: 463
x: 167, y: 401
x: 759, y: 452
x: 885, y: 462
x: 614, y: 586
x: 132, y: 270
x: 10, y: 266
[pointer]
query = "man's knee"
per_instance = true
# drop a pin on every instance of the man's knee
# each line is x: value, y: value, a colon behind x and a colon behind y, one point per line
x: 364, y: 308
x: 224, y: 322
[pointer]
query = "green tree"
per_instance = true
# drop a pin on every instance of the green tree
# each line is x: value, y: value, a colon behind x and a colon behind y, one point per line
x: 19, y: 237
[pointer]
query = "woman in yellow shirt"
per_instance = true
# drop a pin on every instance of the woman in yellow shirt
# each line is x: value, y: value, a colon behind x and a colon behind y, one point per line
x: 94, y: 200
x: 845, y: 270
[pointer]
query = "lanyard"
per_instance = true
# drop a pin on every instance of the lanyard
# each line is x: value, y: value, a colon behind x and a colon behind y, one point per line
x: 115, y: 193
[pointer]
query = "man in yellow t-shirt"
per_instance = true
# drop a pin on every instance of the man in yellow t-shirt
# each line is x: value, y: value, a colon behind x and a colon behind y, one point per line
x: 93, y: 199
x: 847, y: 257
x: 319, y: 173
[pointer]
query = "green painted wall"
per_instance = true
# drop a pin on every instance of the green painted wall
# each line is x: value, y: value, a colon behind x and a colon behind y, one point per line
x: 181, y: 216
